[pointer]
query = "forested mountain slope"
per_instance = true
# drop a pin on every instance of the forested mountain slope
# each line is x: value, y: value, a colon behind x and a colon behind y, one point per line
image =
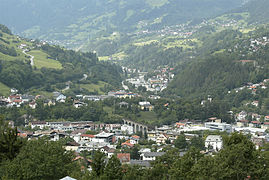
x: 258, y: 10
x: 75, y: 21
x: 231, y: 59
x: 51, y: 66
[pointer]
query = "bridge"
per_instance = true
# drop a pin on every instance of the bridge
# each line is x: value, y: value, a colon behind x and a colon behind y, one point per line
x: 137, y: 126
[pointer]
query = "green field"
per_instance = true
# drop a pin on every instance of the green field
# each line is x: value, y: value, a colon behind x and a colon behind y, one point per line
x: 40, y: 92
x: 184, y: 43
x: 148, y: 117
x: 94, y: 87
x: 144, y: 43
x: 41, y: 60
x: 117, y: 56
x: 4, y: 90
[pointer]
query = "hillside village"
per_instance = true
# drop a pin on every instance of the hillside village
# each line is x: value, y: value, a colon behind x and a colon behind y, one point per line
x: 156, y: 83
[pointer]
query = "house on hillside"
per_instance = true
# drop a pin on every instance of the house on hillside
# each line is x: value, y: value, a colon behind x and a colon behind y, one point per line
x: 146, y: 106
x: 151, y: 156
x: 213, y: 142
x: 124, y: 157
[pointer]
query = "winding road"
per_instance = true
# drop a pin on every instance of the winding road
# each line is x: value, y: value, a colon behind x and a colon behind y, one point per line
x: 31, y: 57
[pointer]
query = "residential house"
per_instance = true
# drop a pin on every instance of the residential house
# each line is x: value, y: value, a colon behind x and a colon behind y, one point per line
x: 255, y: 103
x: 146, y: 106
x: 242, y: 115
x: 13, y: 91
x: 242, y: 123
x: 87, y: 137
x: 180, y: 125
x: 72, y: 146
x: 127, y: 129
x: 161, y: 139
x: 38, y: 124
x: 265, y: 125
x: 78, y: 104
x: 32, y: 105
x: 124, y: 104
x: 152, y: 135
x: 134, y: 139
x: 27, y: 98
x: 258, y: 142
x: 124, y: 158
x: 214, y: 142
x: 110, y: 152
x: 127, y: 144
x: 151, y: 156
x: 255, y: 124
x: 68, y: 178
x: 59, y: 97
x: 56, y: 136
x: 255, y: 116
x: 140, y: 163
x: 105, y: 137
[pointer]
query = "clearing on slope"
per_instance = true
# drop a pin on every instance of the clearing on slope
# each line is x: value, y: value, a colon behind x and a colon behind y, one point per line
x: 41, y: 60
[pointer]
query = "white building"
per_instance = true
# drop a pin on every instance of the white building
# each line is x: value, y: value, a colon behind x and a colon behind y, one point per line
x: 219, y: 126
x: 214, y: 142
x: 127, y: 129
x: 104, y: 137
x: 151, y: 156
x: 38, y: 124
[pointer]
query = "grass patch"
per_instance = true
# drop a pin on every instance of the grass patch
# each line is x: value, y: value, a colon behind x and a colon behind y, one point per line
x: 117, y: 56
x: 148, y: 117
x: 247, y: 30
x: 4, y: 90
x: 41, y: 60
x: 154, y: 3
x: 108, y: 109
x: 145, y: 43
x: 40, y: 92
x: 94, y: 87
x: 219, y: 51
x: 184, y: 43
x: 103, y: 58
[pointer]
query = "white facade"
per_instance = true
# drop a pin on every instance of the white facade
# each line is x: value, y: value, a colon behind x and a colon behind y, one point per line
x: 151, y: 156
x: 219, y: 126
x: 127, y: 129
x: 214, y: 142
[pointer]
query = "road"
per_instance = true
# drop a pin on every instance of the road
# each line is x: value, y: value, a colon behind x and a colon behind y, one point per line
x: 124, y: 86
x: 31, y: 57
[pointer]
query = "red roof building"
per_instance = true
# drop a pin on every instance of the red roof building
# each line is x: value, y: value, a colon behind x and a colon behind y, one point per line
x: 124, y: 157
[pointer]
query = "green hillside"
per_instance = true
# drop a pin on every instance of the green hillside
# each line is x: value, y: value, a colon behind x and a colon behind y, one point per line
x: 51, y: 67
x: 4, y: 90
x: 218, y: 69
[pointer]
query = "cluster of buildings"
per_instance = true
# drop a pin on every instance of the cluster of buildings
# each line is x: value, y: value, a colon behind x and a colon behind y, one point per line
x: 120, y: 139
x: 251, y: 86
x: 255, y: 44
x: 156, y: 83
x: 111, y: 94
